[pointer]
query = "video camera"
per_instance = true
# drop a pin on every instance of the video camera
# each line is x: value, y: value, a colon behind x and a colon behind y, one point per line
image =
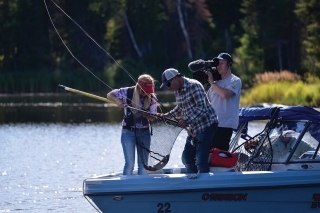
x: 199, y: 67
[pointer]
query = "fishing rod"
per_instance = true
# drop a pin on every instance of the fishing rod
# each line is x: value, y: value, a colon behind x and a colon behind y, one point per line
x: 162, y: 118
x: 166, y: 120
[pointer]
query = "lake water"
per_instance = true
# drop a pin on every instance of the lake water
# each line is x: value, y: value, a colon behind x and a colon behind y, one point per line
x: 42, y: 166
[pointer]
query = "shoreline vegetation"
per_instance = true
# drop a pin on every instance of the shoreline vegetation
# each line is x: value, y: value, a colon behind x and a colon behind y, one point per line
x: 282, y: 88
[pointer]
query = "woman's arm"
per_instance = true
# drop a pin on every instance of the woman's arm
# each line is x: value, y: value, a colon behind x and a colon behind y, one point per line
x: 113, y: 98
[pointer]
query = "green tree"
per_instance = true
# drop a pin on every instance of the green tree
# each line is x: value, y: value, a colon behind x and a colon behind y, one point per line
x: 249, y: 56
x: 8, y: 22
x: 308, y: 11
x: 88, y: 16
x: 146, y: 20
x: 226, y: 18
x: 269, y: 41
x: 24, y: 41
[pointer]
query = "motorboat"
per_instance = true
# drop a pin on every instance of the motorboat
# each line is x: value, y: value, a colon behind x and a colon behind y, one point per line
x: 263, y: 178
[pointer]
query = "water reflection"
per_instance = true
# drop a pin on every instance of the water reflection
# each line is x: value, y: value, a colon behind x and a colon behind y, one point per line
x: 66, y: 113
x: 65, y: 108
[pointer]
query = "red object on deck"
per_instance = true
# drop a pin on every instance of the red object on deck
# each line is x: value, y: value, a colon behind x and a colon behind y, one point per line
x: 221, y: 158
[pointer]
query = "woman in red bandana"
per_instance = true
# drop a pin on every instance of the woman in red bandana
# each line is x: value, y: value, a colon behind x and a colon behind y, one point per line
x: 134, y: 125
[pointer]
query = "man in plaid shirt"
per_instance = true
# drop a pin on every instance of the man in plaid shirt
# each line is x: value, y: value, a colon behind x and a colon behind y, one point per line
x: 195, y: 113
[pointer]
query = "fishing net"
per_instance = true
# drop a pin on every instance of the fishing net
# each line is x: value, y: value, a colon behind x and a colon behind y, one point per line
x: 155, y: 153
x: 254, y: 154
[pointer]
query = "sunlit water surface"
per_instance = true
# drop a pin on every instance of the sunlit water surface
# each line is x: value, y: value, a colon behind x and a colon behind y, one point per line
x: 42, y: 166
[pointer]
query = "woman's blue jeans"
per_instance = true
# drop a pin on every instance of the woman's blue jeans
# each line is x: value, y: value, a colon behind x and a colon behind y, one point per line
x: 128, y: 141
x: 195, y: 157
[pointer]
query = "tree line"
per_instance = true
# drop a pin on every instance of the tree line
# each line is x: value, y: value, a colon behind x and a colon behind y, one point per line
x: 146, y: 36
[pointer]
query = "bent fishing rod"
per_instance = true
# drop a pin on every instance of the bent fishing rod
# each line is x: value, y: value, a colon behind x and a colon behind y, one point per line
x: 164, y: 119
x: 167, y: 120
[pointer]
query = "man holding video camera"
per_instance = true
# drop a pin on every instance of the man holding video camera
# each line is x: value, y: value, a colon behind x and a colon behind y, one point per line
x: 224, y: 95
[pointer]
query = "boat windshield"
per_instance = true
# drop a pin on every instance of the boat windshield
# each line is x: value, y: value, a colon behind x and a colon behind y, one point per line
x: 288, y: 141
x: 278, y: 142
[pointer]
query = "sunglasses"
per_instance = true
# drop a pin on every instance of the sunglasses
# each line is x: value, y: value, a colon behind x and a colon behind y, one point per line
x: 169, y: 83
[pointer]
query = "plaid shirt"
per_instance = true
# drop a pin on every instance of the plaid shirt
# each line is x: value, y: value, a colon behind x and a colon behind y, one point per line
x: 193, y: 106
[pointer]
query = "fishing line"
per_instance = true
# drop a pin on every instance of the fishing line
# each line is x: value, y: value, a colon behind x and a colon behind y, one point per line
x: 67, y: 46
x: 126, y: 71
x: 85, y: 32
x: 103, y: 49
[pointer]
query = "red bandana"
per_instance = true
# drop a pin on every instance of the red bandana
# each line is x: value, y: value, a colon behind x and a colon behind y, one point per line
x: 146, y: 86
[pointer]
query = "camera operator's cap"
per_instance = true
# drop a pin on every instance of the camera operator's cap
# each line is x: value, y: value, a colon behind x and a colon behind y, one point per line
x: 225, y: 56
x: 288, y: 133
x: 167, y: 75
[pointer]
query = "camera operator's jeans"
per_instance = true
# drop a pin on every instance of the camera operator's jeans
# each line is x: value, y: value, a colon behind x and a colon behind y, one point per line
x: 128, y: 141
x: 195, y: 157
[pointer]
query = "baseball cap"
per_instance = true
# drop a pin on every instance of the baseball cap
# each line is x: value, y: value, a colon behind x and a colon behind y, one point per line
x: 167, y: 75
x: 225, y: 56
x: 146, y: 86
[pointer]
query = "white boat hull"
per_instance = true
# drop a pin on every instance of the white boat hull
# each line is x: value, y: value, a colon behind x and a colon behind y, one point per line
x: 224, y: 192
